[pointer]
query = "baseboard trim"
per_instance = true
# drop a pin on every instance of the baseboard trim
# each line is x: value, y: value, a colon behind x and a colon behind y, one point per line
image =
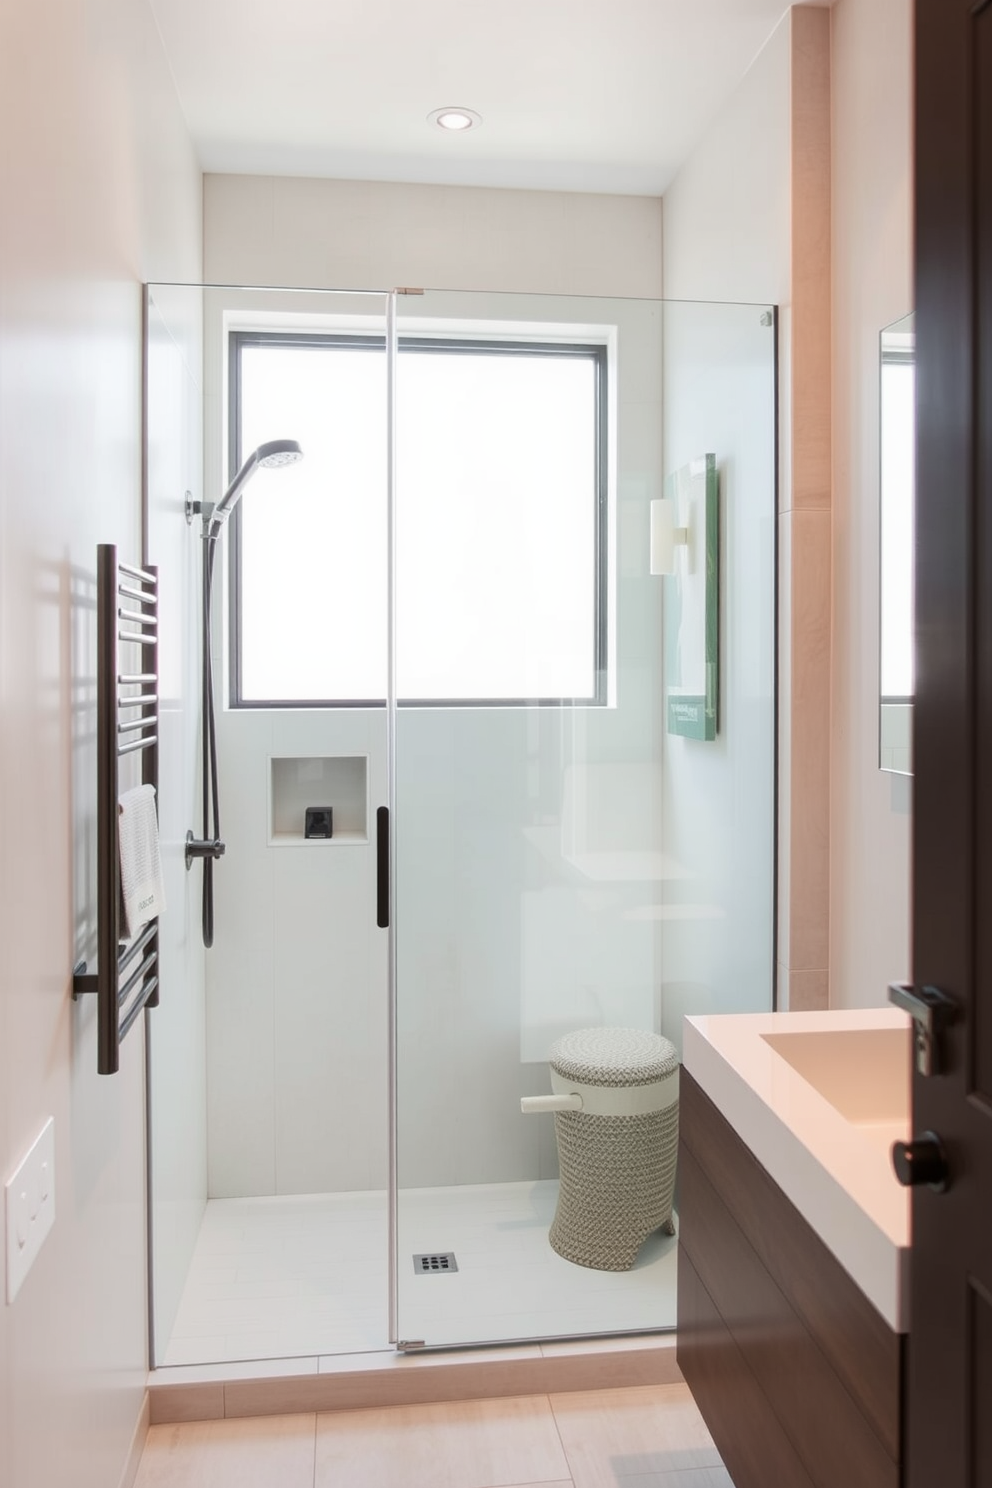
x: 358, y: 1381
x: 137, y: 1446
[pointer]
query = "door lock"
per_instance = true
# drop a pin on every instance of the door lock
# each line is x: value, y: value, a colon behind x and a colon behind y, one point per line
x: 931, y: 1011
x: 921, y: 1161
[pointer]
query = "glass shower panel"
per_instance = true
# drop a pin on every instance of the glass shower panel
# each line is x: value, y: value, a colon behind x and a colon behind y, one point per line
x: 718, y: 803
x: 267, y: 1057
x: 561, y: 860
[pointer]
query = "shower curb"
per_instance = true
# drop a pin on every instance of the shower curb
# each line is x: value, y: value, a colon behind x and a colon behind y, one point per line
x: 354, y: 1382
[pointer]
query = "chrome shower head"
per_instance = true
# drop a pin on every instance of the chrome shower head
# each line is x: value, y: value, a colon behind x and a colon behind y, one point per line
x: 270, y: 456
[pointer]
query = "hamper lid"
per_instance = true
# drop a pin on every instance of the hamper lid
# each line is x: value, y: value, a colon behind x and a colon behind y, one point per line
x: 614, y: 1056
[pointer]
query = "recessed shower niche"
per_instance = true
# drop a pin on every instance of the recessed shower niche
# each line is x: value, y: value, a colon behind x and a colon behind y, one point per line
x: 337, y: 781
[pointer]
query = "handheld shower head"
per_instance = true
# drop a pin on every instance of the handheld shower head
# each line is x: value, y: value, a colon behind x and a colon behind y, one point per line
x: 278, y: 452
x: 210, y: 846
x: 271, y: 455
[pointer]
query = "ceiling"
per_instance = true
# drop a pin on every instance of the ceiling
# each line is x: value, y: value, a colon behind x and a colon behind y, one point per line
x: 575, y: 95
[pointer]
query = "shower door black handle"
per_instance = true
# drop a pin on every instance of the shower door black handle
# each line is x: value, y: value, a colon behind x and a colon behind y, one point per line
x: 382, y: 867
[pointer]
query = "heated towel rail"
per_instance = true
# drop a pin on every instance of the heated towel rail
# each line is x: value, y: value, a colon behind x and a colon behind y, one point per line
x: 126, y: 979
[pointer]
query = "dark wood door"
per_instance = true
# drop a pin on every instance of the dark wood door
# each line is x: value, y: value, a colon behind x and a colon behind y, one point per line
x: 948, y: 1405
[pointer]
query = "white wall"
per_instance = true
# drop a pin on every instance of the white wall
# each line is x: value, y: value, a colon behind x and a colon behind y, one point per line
x: 871, y: 65
x: 296, y: 1009
x: 727, y: 212
x: 373, y: 235
x: 100, y: 191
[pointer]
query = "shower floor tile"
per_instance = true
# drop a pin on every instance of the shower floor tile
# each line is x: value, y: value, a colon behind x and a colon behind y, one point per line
x: 283, y: 1277
x: 292, y: 1276
x: 510, y: 1284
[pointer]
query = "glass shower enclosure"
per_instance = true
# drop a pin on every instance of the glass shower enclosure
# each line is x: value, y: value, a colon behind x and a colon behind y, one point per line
x: 442, y: 629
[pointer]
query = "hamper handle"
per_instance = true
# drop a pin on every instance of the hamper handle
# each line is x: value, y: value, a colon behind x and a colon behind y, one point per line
x: 532, y: 1103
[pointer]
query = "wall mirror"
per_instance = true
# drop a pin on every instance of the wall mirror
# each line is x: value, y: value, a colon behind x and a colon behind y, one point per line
x: 897, y: 424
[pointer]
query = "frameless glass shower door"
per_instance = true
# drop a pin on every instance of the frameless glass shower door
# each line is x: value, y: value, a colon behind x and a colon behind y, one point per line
x: 567, y: 854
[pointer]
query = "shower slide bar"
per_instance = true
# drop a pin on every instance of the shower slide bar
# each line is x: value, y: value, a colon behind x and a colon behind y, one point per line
x: 126, y: 979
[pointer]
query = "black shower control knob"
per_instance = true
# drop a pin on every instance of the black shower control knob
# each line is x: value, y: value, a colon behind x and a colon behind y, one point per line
x: 921, y: 1161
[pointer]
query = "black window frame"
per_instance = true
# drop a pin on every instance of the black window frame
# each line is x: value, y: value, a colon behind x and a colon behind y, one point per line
x: 594, y: 352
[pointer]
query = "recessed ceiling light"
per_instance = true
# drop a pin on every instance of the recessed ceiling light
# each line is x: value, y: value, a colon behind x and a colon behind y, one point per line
x: 457, y: 120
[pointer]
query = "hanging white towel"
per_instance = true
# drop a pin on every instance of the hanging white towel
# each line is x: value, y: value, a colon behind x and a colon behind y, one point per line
x: 142, y: 886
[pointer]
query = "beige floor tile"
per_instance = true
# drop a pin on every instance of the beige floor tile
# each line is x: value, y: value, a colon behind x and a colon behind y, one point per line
x: 638, y: 1437
x: 470, y: 1444
x: 693, y: 1477
x: 230, y: 1454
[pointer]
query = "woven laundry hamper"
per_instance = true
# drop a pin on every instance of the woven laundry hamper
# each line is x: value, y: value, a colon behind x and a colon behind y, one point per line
x: 617, y: 1144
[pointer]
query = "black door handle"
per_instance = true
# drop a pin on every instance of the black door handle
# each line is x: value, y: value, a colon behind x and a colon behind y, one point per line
x: 382, y: 867
x: 931, y: 1011
x: 921, y: 1161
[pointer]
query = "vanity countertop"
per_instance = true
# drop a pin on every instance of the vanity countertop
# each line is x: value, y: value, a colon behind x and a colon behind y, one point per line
x: 819, y: 1098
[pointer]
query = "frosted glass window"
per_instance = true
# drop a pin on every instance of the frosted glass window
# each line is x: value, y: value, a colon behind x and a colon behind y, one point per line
x: 500, y: 522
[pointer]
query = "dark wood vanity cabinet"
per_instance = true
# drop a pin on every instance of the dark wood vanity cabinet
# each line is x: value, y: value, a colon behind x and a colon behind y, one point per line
x: 797, y: 1375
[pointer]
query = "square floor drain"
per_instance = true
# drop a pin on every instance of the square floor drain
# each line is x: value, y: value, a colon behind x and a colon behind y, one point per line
x: 438, y: 1264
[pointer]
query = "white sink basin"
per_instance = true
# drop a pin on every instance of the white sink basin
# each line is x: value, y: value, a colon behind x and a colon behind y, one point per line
x: 819, y: 1098
x: 864, y: 1073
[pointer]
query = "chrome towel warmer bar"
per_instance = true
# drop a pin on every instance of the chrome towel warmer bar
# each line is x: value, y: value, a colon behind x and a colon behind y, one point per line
x: 127, y: 975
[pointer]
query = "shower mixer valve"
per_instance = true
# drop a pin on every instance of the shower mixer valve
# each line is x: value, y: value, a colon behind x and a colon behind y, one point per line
x: 196, y: 847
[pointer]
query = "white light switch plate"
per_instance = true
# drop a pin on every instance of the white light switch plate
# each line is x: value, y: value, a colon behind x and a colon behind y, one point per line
x: 29, y: 1206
